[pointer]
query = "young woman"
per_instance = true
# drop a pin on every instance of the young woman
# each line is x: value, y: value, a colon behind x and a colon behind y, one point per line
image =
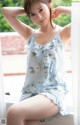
x: 45, y: 84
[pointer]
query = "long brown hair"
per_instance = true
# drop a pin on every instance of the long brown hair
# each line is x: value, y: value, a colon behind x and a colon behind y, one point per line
x: 28, y: 4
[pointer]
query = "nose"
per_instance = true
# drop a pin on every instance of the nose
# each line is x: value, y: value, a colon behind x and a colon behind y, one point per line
x: 39, y: 16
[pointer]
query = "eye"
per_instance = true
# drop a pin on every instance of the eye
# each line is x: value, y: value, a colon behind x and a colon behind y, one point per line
x: 41, y: 10
x: 32, y: 14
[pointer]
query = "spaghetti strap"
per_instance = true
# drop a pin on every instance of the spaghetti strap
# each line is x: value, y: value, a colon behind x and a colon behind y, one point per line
x: 59, y: 37
x: 59, y: 32
x: 30, y: 39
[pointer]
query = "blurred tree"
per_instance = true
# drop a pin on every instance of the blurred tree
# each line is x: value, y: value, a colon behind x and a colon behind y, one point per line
x: 4, y: 26
x: 64, y: 19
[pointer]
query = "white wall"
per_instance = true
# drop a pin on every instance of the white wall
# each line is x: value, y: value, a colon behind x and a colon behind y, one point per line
x: 2, y: 99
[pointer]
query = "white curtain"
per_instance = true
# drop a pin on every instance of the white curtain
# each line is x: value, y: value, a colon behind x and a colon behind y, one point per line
x: 75, y: 43
x: 2, y: 99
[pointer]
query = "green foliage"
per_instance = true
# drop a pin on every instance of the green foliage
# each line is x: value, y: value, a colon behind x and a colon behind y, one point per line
x: 64, y: 19
x: 4, y: 26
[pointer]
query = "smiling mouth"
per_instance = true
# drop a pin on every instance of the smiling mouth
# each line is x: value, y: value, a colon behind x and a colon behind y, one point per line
x: 42, y: 21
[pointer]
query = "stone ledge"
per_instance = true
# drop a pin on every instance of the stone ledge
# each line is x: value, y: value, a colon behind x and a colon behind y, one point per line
x: 12, y: 43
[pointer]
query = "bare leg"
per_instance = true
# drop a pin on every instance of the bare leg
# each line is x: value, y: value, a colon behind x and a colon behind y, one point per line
x: 34, y: 108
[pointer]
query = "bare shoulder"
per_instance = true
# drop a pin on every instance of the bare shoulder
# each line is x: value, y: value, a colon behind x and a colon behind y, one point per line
x: 65, y: 33
x: 28, y: 32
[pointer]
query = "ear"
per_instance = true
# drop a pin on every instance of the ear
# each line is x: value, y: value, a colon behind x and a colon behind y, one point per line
x: 49, y: 6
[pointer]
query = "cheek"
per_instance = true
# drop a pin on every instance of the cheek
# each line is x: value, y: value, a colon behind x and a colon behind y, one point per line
x: 47, y: 13
x: 47, y: 16
x: 34, y: 19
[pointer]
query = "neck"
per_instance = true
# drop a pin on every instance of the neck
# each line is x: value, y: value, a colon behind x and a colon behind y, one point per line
x: 48, y: 28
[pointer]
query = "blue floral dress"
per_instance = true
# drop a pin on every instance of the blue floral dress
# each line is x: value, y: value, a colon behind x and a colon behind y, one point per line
x: 45, y: 71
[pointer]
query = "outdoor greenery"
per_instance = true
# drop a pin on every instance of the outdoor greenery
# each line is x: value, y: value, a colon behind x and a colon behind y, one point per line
x: 4, y: 26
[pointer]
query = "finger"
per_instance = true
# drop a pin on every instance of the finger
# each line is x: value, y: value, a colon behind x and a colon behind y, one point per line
x: 53, y: 16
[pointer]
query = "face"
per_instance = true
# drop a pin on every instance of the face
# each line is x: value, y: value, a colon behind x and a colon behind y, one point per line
x: 40, y: 14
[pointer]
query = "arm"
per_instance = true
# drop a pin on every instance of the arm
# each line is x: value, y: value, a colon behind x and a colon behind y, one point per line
x: 66, y: 30
x: 66, y: 33
x: 65, y: 10
x: 11, y: 14
x: 58, y: 11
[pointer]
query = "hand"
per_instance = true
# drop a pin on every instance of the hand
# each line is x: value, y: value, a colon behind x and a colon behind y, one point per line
x: 56, y: 12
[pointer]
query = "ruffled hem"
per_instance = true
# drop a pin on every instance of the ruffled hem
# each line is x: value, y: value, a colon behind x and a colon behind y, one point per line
x: 56, y: 97
x: 59, y: 102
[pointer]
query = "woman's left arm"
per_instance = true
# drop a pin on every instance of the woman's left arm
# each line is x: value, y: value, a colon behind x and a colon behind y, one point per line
x: 65, y: 10
x: 66, y: 30
x: 58, y: 11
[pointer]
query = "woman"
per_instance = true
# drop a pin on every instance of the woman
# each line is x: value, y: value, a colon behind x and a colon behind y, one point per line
x: 45, y: 84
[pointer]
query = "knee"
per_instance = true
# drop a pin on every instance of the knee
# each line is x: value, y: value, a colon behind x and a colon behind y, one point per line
x: 13, y: 112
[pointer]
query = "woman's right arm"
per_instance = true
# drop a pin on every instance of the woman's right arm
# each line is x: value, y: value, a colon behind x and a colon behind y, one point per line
x: 11, y: 14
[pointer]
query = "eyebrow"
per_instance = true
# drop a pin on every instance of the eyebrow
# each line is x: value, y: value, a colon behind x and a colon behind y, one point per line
x: 34, y: 12
x: 39, y: 8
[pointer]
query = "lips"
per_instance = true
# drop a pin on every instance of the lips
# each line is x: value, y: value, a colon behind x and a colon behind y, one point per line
x: 42, y: 21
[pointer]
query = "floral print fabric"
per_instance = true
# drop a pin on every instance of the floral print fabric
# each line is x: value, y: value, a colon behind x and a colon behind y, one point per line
x: 45, y: 71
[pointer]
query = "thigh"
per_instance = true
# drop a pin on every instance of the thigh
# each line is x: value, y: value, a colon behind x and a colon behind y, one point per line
x: 36, y: 108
